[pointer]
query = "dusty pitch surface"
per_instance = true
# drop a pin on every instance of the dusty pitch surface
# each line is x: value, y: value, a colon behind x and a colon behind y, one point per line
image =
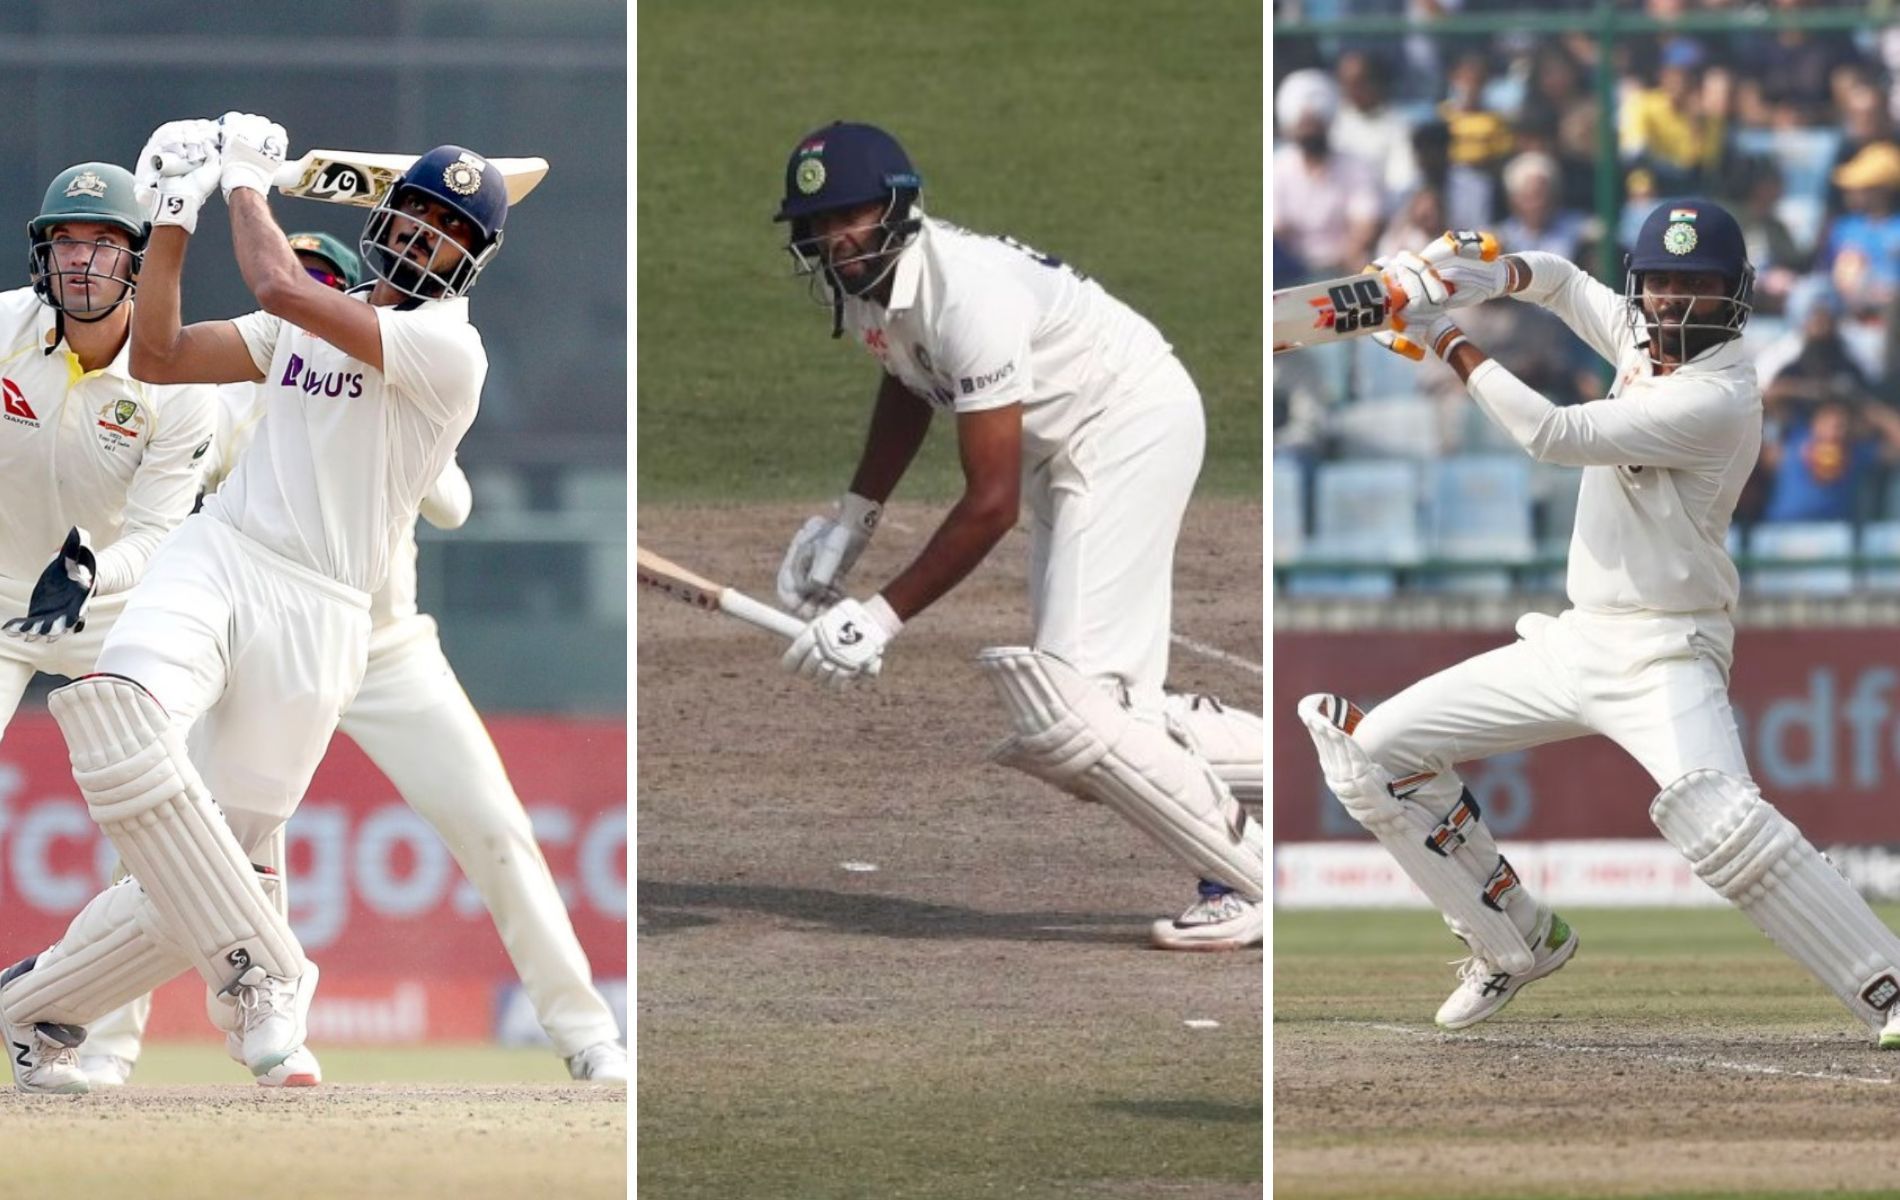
x: 469, y: 1142
x: 979, y: 1014
x: 1629, y: 1073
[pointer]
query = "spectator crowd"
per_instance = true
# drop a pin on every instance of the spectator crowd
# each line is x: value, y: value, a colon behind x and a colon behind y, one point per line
x: 1383, y: 142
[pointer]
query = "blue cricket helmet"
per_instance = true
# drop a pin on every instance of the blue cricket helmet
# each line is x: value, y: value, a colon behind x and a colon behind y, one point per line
x: 842, y: 166
x: 1695, y: 235
x: 463, y: 181
x: 845, y: 165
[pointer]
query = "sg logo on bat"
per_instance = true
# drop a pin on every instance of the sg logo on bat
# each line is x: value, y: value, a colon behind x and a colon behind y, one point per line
x: 1352, y: 306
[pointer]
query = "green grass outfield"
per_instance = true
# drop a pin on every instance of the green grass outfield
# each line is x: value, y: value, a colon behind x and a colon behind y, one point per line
x: 1649, y: 967
x: 1123, y: 137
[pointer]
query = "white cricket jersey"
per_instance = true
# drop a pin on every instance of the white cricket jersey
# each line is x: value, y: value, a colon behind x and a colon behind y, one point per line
x: 1664, y: 457
x: 344, y: 453
x: 446, y: 504
x: 96, y: 449
x: 978, y: 322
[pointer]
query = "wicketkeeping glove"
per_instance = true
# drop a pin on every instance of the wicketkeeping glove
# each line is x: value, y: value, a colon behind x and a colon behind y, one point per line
x: 58, y: 604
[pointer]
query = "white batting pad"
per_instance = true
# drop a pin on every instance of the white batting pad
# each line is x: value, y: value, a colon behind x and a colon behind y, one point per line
x: 1232, y: 740
x: 114, y: 951
x: 1073, y: 733
x: 1741, y: 845
x: 142, y: 790
x: 1451, y: 856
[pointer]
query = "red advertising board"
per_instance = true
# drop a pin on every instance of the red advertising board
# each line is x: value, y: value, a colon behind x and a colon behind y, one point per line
x: 1819, y: 711
x: 407, y: 950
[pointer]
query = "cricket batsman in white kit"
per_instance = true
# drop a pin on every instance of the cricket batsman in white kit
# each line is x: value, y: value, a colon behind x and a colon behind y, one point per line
x: 1068, y: 399
x: 96, y: 467
x: 251, y: 628
x: 1642, y: 656
x: 414, y: 721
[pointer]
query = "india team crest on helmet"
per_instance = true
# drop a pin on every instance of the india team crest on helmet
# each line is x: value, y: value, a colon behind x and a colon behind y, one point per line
x: 87, y: 183
x: 1679, y: 238
x: 811, y: 175
x: 464, y: 175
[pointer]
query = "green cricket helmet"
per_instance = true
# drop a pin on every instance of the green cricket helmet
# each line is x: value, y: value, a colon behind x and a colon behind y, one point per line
x: 92, y: 192
x: 348, y: 267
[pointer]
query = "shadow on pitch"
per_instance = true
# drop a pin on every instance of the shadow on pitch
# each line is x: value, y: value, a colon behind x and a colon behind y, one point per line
x: 672, y: 907
x: 1187, y: 1110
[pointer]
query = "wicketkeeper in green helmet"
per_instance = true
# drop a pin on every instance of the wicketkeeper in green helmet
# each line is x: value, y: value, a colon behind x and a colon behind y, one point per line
x: 87, y: 243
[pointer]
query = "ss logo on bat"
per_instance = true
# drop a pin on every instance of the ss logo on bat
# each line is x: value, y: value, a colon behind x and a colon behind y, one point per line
x: 1357, y: 305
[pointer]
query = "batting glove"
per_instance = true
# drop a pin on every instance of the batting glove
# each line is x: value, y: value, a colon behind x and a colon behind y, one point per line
x: 845, y: 644
x: 253, y: 148
x: 1471, y: 264
x: 57, y: 606
x: 1441, y: 336
x: 177, y: 171
x: 822, y: 553
x: 1416, y: 288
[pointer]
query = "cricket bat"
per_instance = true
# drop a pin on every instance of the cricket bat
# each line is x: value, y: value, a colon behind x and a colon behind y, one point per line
x: 360, y: 178
x: 681, y: 584
x: 1313, y: 314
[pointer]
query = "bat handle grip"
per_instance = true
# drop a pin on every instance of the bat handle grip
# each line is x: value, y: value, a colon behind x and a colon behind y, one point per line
x: 171, y: 164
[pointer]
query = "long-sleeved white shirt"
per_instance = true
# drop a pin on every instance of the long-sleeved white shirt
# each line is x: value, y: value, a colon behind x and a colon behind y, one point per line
x: 1664, y: 457
x: 96, y: 449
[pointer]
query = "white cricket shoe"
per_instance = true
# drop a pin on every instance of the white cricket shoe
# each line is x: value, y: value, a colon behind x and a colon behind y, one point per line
x: 602, y: 1062
x: 273, y: 1016
x: 1483, y: 990
x: 105, y: 1070
x: 44, y: 1057
x: 1219, y: 919
x: 300, y: 1067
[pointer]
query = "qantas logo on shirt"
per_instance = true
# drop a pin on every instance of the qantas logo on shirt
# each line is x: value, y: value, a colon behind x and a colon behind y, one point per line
x: 329, y: 383
x: 14, y: 403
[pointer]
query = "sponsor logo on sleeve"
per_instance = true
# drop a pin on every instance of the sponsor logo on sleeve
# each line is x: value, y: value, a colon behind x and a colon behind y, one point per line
x: 970, y: 385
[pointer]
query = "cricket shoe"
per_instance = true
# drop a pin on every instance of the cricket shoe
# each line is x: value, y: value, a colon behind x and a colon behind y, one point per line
x: 1483, y: 990
x: 273, y: 1017
x: 1890, y: 1033
x: 602, y: 1062
x: 44, y: 1056
x: 1219, y: 919
x: 300, y: 1067
x: 106, y: 1070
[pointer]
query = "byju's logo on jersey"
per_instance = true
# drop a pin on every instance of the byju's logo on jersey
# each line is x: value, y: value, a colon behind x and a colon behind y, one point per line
x: 14, y: 407
x: 326, y: 383
x: 970, y: 385
x: 120, y: 424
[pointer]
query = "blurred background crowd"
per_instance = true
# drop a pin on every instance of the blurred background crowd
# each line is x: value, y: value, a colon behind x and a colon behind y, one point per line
x: 1384, y: 140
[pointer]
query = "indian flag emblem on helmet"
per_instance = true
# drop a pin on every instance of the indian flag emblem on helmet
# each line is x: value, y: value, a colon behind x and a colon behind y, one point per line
x: 1679, y: 238
x: 811, y: 175
x: 87, y: 183
x: 1682, y: 214
x: 464, y: 175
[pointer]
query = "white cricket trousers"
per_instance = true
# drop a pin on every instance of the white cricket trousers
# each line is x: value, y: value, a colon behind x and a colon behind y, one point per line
x: 414, y: 721
x: 1655, y: 684
x: 1105, y: 513
x: 417, y: 725
x: 257, y: 654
